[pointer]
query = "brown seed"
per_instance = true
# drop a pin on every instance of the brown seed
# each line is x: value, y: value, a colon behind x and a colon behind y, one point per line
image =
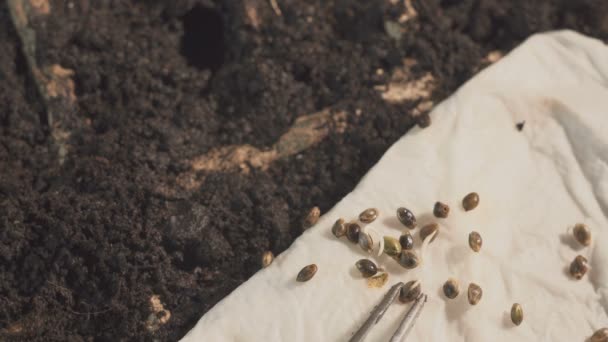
x: 406, y: 217
x: 441, y: 210
x: 267, y: 259
x: 474, y: 293
x: 517, y: 314
x: 470, y: 201
x: 366, y: 242
x: 406, y: 240
x: 392, y: 247
x: 339, y: 228
x: 582, y: 234
x: 312, y: 217
x: 600, y: 336
x: 368, y: 215
x: 408, y: 259
x: 410, y: 291
x: 475, y: 241
x: 579, y: 267
x: 423, y: 120
x: 307, y: 273
x: 366, y: 267
x: 429, y: 229
x: 352, y: 232
x: 451, y: 289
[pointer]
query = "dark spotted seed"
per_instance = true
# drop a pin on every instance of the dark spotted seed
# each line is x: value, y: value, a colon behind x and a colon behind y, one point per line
x: 311, y: 218
x: 475, y: 241
x: 339, y: 228
x: 392, y: 247
x: 517, y: 314
x: 366, y: 267
x: 600, y: 336
x: 582, y: 234
x: 470, y: 201
x: 441, y: 210
x: 474, y: 293
x: 408, y: 259
x: 267, y: 259
x: 366, y: 242
x: 368, y: 215
x: 406, y: 217
x: 352, y: 232
x: 410, y: 291
x: 451, y: 288
x: 307, y: 273
x: 578, y: 267
x: 429, y: 229
x: 406, y: 240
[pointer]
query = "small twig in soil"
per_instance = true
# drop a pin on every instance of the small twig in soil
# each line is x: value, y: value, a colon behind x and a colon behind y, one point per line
x: 275, y: 7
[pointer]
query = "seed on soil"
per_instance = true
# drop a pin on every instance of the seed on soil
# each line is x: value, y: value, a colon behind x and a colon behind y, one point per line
x: 470, y: 201
x: 366, y: 242
x: 578, y: 267
x: 520, y: 125
x: 600, y: 336
x: 267, y: 259
x: 423, y: 120
x: 408, y: 259
x: 428, y: 230
x: 406, y: 240
x: 475, y: 241
x: 451, y: 289
x: 582, y: 234
x: 406, y: 217
x: 474, y: 293
x: 441, y: 210
x: 410, y: 291
x: 312, y: 217
x: 368, y: 215
x: 352, y: 232
x: 339, y: 228
x: 366, y: 267
x: 392, y: 247
x: 307, y: 273
x: 517, y: 314
x: 378, y: 280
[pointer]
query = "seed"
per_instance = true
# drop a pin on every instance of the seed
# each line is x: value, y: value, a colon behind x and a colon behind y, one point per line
x: 429, y: 229
x: 470, y: 201
x: 600, y: 336
x: 451, y: 288
x: 410, y: 291
x: 578, y: 267
x: 441, y: 210
x: 366, y: 242
x: 352, y: 232
x: 475, y: 241
x: 406, y: 217
x: 378, y: 280
x: 520, y: 125
x: 267, y: 259
x: 517, y: 314
x: 307, y: 273
x: 582, y: 234
x: 406, y: 241
x: 366, y: 267
x: 424, y: 120
x: 368, y: 215
x: 339, y: 228
x: 392, y: 247
x: 312, y: 217
x: 408, y: 259
x: 474, y: 293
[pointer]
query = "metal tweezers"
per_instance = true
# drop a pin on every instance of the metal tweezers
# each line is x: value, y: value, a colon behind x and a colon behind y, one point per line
x: 406, y: 323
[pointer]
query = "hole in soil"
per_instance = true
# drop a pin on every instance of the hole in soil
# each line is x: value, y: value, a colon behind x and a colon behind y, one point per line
x: 203, y: 40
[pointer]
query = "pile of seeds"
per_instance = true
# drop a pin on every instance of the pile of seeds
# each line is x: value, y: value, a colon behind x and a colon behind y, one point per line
x: 401, y: 250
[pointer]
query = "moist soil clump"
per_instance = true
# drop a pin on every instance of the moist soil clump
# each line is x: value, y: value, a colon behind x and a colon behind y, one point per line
x: 187, y: 161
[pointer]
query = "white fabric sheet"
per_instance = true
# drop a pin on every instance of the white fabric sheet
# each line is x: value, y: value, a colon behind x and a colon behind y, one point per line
x: 533, y: 185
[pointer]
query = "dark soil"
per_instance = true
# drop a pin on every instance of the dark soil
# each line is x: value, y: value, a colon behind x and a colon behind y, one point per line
x: 85, y: 245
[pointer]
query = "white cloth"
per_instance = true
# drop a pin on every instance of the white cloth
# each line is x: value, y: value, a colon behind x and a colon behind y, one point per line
x: 533, y: 186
